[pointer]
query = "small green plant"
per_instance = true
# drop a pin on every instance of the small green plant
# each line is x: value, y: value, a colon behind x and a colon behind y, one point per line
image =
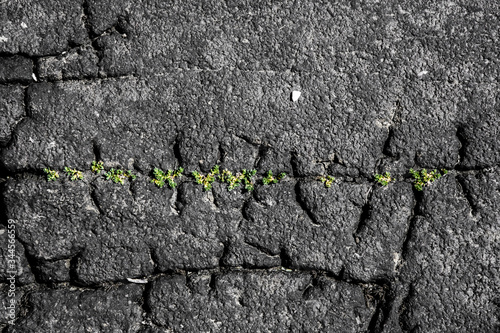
x: 161, y: 177
x: 73, y: 174
x: 383, y: 179
x: 234, y: 181
x: 269, y: 178
x: 97, y: 167
x: 247, y: 179
x: 207, y: 180
x: 328, y: 180
x: 119, y: 176
x: 51, y: 174
x: 424, y: 178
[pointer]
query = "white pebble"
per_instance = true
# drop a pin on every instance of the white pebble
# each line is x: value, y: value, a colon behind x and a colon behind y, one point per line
x: 295, y: 95
x: 34, y: 77
x: 137, y: 280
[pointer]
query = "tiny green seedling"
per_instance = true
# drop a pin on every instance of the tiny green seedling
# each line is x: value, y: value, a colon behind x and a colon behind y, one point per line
x: 424, y: 178
x: 97, y: 167
x: 118, y: 176
x: 328, y: 180
x: 269, y: 178
x: 247, y: 179
x: 51, y: 174
x: 161, y: 177
x: 73, y: 174
x: 234, y: 181
x: 383, y: 179
x: 207, y: 180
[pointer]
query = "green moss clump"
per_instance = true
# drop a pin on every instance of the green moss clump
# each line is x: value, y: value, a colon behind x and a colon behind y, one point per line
x: 207, y: 180
x: 161, y: 177
x: 119, y: 176
x: 270, y: 179
x: 425, y: 178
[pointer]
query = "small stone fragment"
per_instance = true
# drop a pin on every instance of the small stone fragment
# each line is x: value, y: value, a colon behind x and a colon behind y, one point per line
x: 137, y: 280
x: 295, y: 95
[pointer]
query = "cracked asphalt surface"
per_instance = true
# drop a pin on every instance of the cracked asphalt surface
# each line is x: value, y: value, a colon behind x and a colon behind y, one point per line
x: 385, y: 86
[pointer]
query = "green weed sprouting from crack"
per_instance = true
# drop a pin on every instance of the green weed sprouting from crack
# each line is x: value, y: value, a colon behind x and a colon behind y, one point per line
x: 247, y: 179
x: 207, y: 180
x: 73, y: 174
x: 327, y: 180
x: 52, y: 175
x: 97, y: 167
x: 425, y: 178
x: 234, y: 181
x: 169, y: 177
x: 118, y: 176
x: 383, y: 179
x: 269, y: 178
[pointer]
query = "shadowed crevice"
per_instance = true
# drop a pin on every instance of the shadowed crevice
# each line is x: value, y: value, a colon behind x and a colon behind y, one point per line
x: 261, y: 248
x: 463, y: 147
x: 225, y: 254
x: 467, y: 195
x: 73, y: 268
x: 405, y: 309
x: 303, y: 205
x: 286, y: 260
x: 96, y: 148
x: 387, y: 144
x: 366, y: 212
x: 384, y: 297
x: 95, y: 200
x: 177, y: 150
x: 416, y: 211
x: 145, y: 299
x: 221, y: 154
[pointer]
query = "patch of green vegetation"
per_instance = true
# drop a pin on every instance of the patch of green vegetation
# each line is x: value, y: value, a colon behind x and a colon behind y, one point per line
x: 207, y: 180
x: 425, y: 178
x: 328, y: 180
x: 269, y: 178
x: 97, y: 167
x: 73, y: 174
x: 51, y: 174
x: 383, y: 179
x: 234, y: 181
x: 247, y: 179
x: 119, y: 176
x: 161, y: 177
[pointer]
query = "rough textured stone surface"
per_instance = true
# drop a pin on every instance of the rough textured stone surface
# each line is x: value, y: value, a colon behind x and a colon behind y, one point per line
x: 75, y: 64
x: 385, y: 86
x: 118, y: 309
x: 54, y: 271
x: 16, y: 69
x: 450, y: 268
x: 12, y: 110
x: 53, y: 220
x: 19, y: 267
x: 38, y: 28
x: 6, y: 303
x: 275, y: 301
x: 202, y: 110
x: 480, y: 136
